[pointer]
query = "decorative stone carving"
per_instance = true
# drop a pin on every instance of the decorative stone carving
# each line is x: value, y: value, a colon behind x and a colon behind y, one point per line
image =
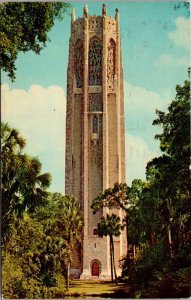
x: 95, y: 24
x: 96, y: 134
x: 95, y: 124
x: 79, y: 64
x: 95, y: 102
x: 111, y: 63
x: 95, y: 62
x: 111, y: 25
x: 79, y: 26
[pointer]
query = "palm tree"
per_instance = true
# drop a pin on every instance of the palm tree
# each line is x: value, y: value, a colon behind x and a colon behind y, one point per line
x: 110, y: 226
x: 23, y: 187
x: 116, y: 197
x: 11, y: 141
x: 68, y: 225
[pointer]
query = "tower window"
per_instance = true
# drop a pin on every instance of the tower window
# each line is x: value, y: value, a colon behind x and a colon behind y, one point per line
x: 95, y: 232
x: 95, y: 102
x: 95, y: 63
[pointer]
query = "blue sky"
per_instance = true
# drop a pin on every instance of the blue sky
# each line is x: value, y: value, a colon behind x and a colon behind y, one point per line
x: 155, y: 51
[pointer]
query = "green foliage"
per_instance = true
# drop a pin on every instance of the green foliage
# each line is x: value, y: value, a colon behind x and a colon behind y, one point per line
x: 24, y: 27
x: 116, y: 197
x: 171, y: 284
x: 23, y: 185
x: 159, y: 222
x: 169, y: 174
x: 23, y: 256
x: 40, y: 229
x: 110, y: 226
x: 11, y: 276
x: 41, y: 265
x: 63, y: 224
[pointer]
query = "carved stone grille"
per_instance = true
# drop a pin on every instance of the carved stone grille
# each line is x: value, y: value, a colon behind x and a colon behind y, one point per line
x: 111, y: 25
x: 111, y: 64
x: 95, y: 63
x: 79, y: 64
x: 79, y: 26
x: 95, y: 102
x: 95, y: 124
x: 95, y: 24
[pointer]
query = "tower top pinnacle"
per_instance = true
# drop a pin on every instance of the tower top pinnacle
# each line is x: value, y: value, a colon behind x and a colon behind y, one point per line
x: 104, y: 10
x: 85, y: 10
x: 116, y: 14
x: 73, y: 15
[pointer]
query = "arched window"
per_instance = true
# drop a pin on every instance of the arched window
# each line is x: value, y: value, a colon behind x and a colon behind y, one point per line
x: 79, y: 64
x: 111, y: 63
x: 95, y: 63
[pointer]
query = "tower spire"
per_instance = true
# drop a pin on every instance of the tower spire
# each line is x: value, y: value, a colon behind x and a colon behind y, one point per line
x: 104, y: 10
x: 73, y: 19
x: 116, y: 14
x: 85, y: 10
x: 73, y: 16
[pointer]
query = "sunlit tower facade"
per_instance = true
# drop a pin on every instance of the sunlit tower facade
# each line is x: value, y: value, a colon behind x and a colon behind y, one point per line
x: 95, y: 135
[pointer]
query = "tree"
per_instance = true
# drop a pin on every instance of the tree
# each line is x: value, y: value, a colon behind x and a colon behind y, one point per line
x: 42, y: 266
x: 159, y: 221
x: 169, y: 173
x: 33, y: 260
x: 116, y: 197
x: 23, y: 185
x: 68, y: 224
x: 110, y: 226
x: 24, y: 27
x: 20, y: 259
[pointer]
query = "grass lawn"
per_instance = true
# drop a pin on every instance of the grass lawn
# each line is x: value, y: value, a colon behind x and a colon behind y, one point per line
x: 97, y: 288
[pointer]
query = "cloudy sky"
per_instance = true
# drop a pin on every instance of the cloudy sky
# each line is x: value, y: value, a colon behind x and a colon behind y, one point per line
x: 155, y: 50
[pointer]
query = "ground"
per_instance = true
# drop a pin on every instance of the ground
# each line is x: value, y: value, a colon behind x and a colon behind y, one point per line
x: 97, y: 288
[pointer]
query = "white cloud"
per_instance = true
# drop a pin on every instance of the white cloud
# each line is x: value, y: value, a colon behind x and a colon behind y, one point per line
x: 138, y: 155
x: 138, y: 98
x: 181, y: 35
x: 39, y: 115
x: 166, y: 59
x: 140, y: 106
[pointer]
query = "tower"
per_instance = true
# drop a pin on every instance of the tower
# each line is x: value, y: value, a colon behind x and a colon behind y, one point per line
x: 95, y: 135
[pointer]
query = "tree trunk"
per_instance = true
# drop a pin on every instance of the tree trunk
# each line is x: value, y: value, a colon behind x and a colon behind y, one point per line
x: 134, y: 251
x: 111, y: 257
x: 169, y: 240
x: 127, y: 225
x: 68, y: 275
x: 151, y: 238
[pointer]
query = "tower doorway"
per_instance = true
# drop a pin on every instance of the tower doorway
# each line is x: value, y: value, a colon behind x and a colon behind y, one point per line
x: 95, y: 268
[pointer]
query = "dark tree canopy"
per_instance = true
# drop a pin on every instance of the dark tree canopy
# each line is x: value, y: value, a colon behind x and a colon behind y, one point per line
x: 24, y: 27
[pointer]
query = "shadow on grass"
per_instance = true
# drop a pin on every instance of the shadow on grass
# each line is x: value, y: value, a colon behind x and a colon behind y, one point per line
x: 101, y: 290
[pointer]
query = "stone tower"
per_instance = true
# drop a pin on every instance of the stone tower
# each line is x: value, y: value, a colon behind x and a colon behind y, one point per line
x: 95, y: 136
